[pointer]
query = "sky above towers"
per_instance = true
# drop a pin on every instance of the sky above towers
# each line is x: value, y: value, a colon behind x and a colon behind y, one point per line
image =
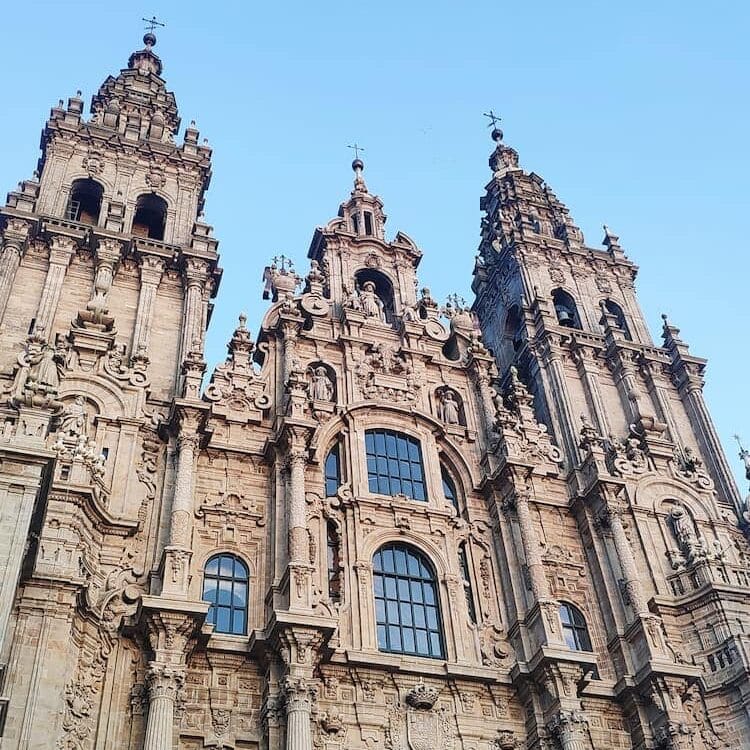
x: 636, y: 114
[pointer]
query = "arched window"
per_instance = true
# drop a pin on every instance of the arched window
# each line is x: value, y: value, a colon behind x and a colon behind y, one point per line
x: 616, y: 312
x: 463, y: 563
x: 406, y: 604
x: 334, y: 562
x: 85, y: 202
x: 150, y: 217
x: 565, y: 309
x: 394, y: 464
x: 449, y: 487
x: 333, y: 470
x: 225, y: 588
x: 575, y: 632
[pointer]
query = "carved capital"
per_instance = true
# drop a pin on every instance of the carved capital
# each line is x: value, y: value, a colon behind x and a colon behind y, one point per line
x: 61, y: 250
x: 299, y: 694
x: 196, y: 273
x: 152, y: 269
x: 164, y: 680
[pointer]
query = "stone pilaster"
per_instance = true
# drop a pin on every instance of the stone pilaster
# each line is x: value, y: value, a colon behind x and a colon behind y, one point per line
x: 107, y: 258
x: 195, y: 276
x: 177, y: 553
x: 61, y: 250
x: 152, y: 269
x: 13, y: 243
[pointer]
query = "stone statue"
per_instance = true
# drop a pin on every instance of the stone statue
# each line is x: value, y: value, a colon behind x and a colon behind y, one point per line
x: 683, y: 526
x: 321, y: 388
x: 73, y: 421
x: 447, y: 410
x: 352, y: 300
x: 372, y: 305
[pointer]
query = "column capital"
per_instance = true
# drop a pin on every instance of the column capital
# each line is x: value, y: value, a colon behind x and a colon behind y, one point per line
x: 164, y: 680
x: 16, y: 233
x: 61, y: 249
x: 195, y: 272
x: 299, y: 693
x: 152, y: 267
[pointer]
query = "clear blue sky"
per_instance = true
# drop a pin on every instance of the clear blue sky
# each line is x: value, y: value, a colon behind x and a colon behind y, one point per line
x: 636, y: 114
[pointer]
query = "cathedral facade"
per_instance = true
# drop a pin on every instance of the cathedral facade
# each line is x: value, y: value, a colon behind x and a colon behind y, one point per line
x: 384, y: 523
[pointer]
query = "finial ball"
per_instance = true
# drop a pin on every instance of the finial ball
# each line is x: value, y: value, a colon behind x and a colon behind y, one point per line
x: 358, y: 165
x: 149, y: 39
x: 496, y: 135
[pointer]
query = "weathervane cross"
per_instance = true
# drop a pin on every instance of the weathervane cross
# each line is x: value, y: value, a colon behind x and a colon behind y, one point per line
x: 356, y: 148
x: 494, y: 119
x: 152, y: 24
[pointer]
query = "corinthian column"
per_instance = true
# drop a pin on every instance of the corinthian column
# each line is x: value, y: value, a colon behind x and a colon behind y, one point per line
x: 177, y: 552
x: 299, y: 702
x: 164, y: 684
x: 298, y: 540
x: 569, y: 727
x: 14, y: 239
x: 613, y: 519
x: 531, y: 547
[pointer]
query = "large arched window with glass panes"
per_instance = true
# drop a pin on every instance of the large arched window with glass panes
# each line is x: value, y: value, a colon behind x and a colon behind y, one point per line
x: 225, y: 582
x: 407, y: 612
x: 394, y: 464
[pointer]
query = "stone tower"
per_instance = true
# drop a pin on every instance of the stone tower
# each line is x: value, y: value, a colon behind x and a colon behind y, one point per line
x: 647, y: 503
x: 366, y: 532
x: 106, y: 275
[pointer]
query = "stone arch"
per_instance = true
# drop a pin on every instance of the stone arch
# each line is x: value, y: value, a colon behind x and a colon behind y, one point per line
x: 566, y: 308
x: 106, y: 396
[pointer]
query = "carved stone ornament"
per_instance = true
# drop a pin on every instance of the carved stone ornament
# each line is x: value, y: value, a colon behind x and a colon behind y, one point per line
x: 626, y: 457
x: 37, y: 381
x: 384, y: 373
x: 422, y: 696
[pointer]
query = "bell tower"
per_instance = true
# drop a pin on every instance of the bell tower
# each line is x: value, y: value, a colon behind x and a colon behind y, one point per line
x: 107, y: 270
x: 650, y: 500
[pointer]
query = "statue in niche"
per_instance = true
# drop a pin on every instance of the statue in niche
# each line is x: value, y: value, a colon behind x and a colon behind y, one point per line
x: 448, y: 409
x: 321, y: 387
x: 73, y: 421
x: 372, y: 305
x: 683, y: 526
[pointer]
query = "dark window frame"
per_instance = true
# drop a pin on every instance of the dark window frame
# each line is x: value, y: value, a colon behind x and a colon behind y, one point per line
x: 575, y: 629
x: 226, y: 568
x: 407, y: 605
x: 395, y: 464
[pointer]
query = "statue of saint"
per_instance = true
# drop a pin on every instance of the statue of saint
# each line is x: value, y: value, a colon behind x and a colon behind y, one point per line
x: 372, y: 305
x: 73, y: 421
x: 322, y: 387
x: 448, y: 407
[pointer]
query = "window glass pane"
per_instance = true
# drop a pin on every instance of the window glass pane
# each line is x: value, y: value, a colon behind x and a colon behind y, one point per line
x: 388, y: 560
x: 382, y: 638
x: 407, y: 488
x: 413, y: 566
x: 394, y: 634
x: 416, y: 591
x: 436, y: 645
x: 422, y: 647
x: 419, y: 618
x: 408, y: 636
x: 238, y: 626
x: 390, y: 588
x: 429, y: 594
x: 225, y: 592
x: 390, y: 442
x: 213, y: 565
x: 414, y: 452
x: 418, y: 493
x: 380, y: 610
x: 380, y: 443
x: 369, y: 442
x: 209, y: 591
x: 384, y: 486
x: 405, y: 611
x: 226, y: 566
x: 223, y: 619
x: 240, y: 571
x: 392, y: 611
x: 403, y: 588
x: 378, y: 586
x: 570, y: 639
x: 432, y: 618
x: 240, y: 594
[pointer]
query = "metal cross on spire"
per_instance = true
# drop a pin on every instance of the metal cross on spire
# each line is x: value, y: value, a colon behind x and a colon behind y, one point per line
x: 152, y: 24
x: 494, y: 119
x: 356, y: 148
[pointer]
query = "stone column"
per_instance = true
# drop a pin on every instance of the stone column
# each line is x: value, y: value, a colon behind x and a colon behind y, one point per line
x: 569, y: 727
x: 298, y: 540
x: 588, y: 372
x: 14, y: 239
x: 164, y: 684
x: 152, y: 269
x: 531, y: 547
x: 177, y: 552
x: 559, y: 391
x: 61, y: 251
x: 196, y: 274
x: 299, y: 703
x: 613, y: 519
x: 107, y: 258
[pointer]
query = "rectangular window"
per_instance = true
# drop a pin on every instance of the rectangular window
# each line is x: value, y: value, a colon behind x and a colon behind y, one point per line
x: 368, y: 222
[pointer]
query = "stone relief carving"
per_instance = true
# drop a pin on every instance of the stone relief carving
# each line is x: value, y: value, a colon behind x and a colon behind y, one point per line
x: 384, y: 373
x: 321, y: 385
x: 448, y: 409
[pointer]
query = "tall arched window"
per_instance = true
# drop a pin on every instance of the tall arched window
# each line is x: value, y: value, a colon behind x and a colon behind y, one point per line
x: 333, y: 470
x: 406, y: 603
x: 225, y: 588
x: 565, y: 309
x: 575, y: 631
x: 394, y: 464
x: 85, y: 202
x: 449, y: 487
x: 150, y: 217
x: 616, y: 312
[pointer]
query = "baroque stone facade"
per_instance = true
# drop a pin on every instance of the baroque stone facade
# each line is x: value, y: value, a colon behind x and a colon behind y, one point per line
x: 385, y: 523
